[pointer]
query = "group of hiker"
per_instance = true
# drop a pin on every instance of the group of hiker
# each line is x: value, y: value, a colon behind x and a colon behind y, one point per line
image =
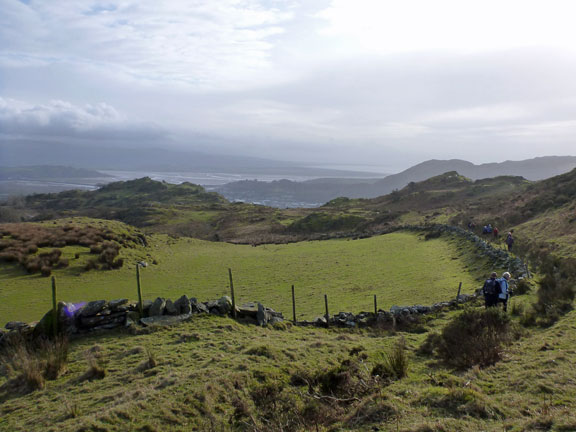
x: 488, y: 230
x: 496, y: 290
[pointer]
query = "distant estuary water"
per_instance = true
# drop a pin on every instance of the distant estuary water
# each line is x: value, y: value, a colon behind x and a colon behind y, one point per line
x: 209, y: 180
x: 203, y: 179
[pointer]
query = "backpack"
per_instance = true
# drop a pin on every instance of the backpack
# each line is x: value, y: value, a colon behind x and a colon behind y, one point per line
x: 492, y: 287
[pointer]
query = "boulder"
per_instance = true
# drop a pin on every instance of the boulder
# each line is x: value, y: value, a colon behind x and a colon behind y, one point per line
x: 399, y: 310
x: 261, y: 316
x: 198, y: 307
x: 108, y: 321
x: 248, y: 310
x: 93, y: 307
x: 119, y: 305
x: 133, y: 316
x: 463, y: 298
x: 320, y: 321
x: 157, y: 307
x: 16, y: 325
x: 225, y: 305
x: 146, y: 305
x: 164, y: 320
x: 384, y: 317
x: 67, y: 317
x: 171, y: 309
x: 275, y: 319
x: 183, y: 305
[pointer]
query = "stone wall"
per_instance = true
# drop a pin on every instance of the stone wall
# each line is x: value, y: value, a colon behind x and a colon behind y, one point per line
x: 82, y: 318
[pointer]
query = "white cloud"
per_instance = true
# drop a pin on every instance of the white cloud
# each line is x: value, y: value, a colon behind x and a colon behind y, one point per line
x: 483, y: 114
x: 63, y: 119
x: 295, y: 78
x: 196, y: 43
x: 384, y: 26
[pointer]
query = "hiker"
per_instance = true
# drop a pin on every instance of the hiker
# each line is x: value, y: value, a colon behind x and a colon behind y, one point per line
x: 491, y: 290
x: 495, y: 232
x: 504, y: 293
x: 510, y: 240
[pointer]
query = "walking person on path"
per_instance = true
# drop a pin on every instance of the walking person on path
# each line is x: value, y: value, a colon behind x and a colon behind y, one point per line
x: 510, y: 240
x: 504, y: 293
x: 491, y: 290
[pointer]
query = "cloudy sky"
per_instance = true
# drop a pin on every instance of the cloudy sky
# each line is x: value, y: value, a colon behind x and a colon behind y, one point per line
x: 383, y: 82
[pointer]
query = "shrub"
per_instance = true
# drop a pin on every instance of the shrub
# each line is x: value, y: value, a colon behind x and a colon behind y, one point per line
x: 91, y: 264
x: 555, y: 297
x: 62, y: 263
x: 56, y: 354
x: 29, y: 364
x: 394, y: 364
x: 522, y: 287
x: 95, y: 249
x: 322, y: 222
x: 475, y: 337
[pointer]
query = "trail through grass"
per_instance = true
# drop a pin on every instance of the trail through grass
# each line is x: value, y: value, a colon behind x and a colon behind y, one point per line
x: 400, y: 268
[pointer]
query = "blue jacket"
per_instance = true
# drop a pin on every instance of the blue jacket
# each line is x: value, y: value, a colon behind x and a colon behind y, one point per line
x: 504, y: 288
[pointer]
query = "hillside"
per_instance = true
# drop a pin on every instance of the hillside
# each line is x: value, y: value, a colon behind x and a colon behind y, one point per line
x: 214, y: 373
x: 315, y: 192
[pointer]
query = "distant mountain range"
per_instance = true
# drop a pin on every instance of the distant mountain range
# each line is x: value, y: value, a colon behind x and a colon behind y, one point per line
x: 15, y: 153
x: 316, y: 192
x: 47, y: 172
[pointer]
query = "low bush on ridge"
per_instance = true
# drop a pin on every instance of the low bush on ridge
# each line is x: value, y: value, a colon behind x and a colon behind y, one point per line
x: 19, y: 243
x: 474, y: 337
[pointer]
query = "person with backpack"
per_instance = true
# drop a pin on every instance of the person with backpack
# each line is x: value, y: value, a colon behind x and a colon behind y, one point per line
x: 510, y: 240
x: 491, y: 290
x: 504, y: 293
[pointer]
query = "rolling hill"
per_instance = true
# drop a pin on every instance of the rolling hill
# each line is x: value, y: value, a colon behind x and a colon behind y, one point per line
x: 316, y: 192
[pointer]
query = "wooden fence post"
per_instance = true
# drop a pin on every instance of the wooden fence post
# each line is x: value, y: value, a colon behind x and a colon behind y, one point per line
x: 293, y: 306
x: 140, y: 304
x: 458, y: 295
x: 375, y: 305
x: 327, y: 313
x: 232, y: 293
x: 54, y: 308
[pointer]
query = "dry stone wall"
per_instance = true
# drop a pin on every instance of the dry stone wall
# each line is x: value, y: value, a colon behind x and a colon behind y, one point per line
x: 82, y: 318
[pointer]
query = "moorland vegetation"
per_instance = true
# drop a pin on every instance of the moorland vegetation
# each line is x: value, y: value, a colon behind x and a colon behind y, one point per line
x: 458, y: 369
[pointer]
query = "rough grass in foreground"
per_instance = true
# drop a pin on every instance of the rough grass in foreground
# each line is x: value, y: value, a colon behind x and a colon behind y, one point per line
x: 213, y: 374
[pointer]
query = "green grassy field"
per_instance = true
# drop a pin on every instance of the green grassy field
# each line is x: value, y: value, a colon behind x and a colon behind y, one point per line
x: 400, y: 268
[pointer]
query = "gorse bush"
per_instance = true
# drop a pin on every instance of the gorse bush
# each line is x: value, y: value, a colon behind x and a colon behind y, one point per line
x: 556, y: 289
x: 321, y: 222
x: 475, y: 337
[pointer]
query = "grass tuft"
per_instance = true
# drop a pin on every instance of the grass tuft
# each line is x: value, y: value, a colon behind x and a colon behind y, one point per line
x: 394, y: 364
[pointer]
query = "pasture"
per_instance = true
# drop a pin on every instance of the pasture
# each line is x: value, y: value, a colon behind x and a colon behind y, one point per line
x: 400, y: 268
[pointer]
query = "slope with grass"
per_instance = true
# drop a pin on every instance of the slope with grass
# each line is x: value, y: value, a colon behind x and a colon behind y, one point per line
x: 213, y: 373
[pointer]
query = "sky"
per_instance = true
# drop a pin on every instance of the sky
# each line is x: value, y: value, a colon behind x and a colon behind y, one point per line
x: 388, y: 83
